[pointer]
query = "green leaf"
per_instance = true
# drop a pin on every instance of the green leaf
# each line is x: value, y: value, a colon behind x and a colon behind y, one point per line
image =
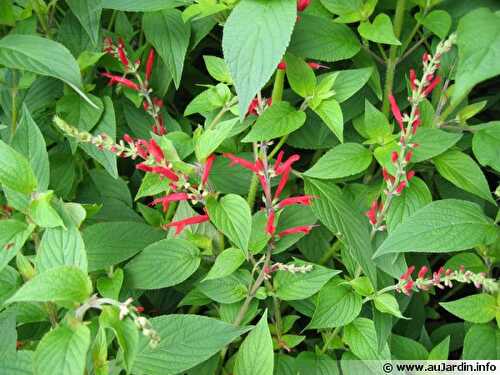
x: 201, y: 338
x: 88, y: 13
x: 229, y: 289
x: 462, y: 171
x: 312, y: 34
x: 28, y: 140
x: 62, y: 351
x: 478, y: 308
x: 331, y: 113
x: 481, y: 343
x: 211, y: 139
x: 279, y: 119
x: 142, y: 6
x: 110, y: 285
x: 292, y: 286
x: 485, y: 146
x: 361, y: 338
x: 61, y: 284
x: 168, y: 33
x: 61, y: 247
x: 414, y: 197
x: 300, y: 76
x: 477, y: 57
x: 341, y: 161
x: 42, y: 213
x: 41, y: 56
x: 380, y: 31
x: 13, y: 235
x: 252, y: 50
x: 9, y: 334
x: 162, y: 264
x: 315, y: 364
x: 337, y: 304
x: 255, y: 355
x: 111, y: 243
x: 226, y: 263
x: 440, y: 227
x: 437, y: 21
x: 375, y: 124
x: 218, y: 69
x: 15, y: 170
x: 441, y: 351
x: 22, y: 364
x: 350, y: 81
x: 407, y: 349
x: 387, y: 303
x: 231, y: 215
x: 125, y: 331
x: 350, y: 11
x: 7, y: 16
x: 337, y: 214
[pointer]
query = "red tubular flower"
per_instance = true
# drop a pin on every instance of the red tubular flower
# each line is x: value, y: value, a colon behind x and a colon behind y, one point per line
x: 315, y: 66
x: 401, y: 187
x: 422, y: 272
x: 408, y: 156
x: 270, y: 227
x: 396, y: 112
x: 139, y: 309
x: 302, y: 5
x: 415, y: 125
x: 121, y: 53
x: 282, y: 183
x: 127, y: 138
x: 181, y: 224
x: 407, y: 288
x: 142, y: 148
x: 394, y: 156
x: 165, y: 201
x: 372, y: 213
x: 158, y: 102
x: 279, y: 158
x: 244, y: 163
x: 300, y: 229
x: 410, y: 175
x: 121, y: 80
x: 252, y: 108
x: 206, y: 171
x: 287, y: 165
x: 413, y: 77
x: 408, y: 273
x: 425, y: 57
x: 166, y: 172
x: 303, y: 199
x: 144, y: 167
x: 387, y: 176
x: 156, y: 151
x: 432, y: 85
x: 282, y: 65
x: 149, y: 64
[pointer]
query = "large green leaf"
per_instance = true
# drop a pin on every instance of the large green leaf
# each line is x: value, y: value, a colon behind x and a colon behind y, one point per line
x: 440, y: 227
x: 478, y: 308
x: 337, y: 214
x: 41, y: 56
x: 337, y: 304
x: 485, y: 145
x: 88, y: 13
x: 226, y: 263
x: 380, y: 31
x: 231, y: 215
x: 62, y: 351
x: 29, y: 141
x: 461, y: 170
x: 278, y: 120
x: 21, y: 364
x: 229, y: 289
x: 61, y: 247
x: 162, y: 264
x: 315, y: 364
x: 293, y: 286
x: 361, y: 338
x: 111, y: 243
x: 348, y: 82
x: 477, y: 57
x: 61, y: 284
x: 186, y: 340
x: 331, y: 114
x: 211, y: 139
x: 15, y: 170
x: 312, y: 34
x: 255, y: 38
x: 300, y: 76
x: 481, y: 343
x: 342, y: 161
x: 168, y: 33
x: 255, y: 355
x: 433, y: 142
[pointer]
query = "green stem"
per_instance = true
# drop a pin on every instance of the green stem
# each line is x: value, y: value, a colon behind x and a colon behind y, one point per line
x: 13, y: 113
x: 331, y: 252
x: 252, y: 192
x: 329, y: 339
x: 279, y: 81
x: 392, y: 61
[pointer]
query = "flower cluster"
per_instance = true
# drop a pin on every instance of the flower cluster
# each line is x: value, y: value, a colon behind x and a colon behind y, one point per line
x: 443, y: 278
x: 408, y: 124
x: 292, y: 268
x: 151, y: 105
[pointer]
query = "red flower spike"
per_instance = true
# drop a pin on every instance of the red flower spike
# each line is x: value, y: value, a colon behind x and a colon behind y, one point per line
x: 407, y: 288
x: 282, y: 183
x: 408, y: 273
x: 158, y: 102
x: 279, y: 158
x: 394, y: 157
x: 396, y: 112
x: 287, y: 164
x: 387, y: 176
x: 155, y: 151
x: 401, y: 187
x: 181, y: 224
x: 410, y: 175
x: 372, y: 213
x: 282, y: 65
x: 422, y: 272
x: 142, y: 148
x: 149, y: 64
x: 270, y: 227
x: 315, y: 66
x: 302, y: 5
x: 144, y: 167
x: 165, y: 201
x: 121, y: 53
x: 425, y: 57
x: 300, y: 229
x: 408, y: 156
x: 122, y: 81
x: 166, y: 172
x: 303, y: 200
x: 208, y: 167
x: 413, y: 77
x: 432, y: 85
x: 127, y: 138
x: 243, y: 162
x: 252, y: 108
